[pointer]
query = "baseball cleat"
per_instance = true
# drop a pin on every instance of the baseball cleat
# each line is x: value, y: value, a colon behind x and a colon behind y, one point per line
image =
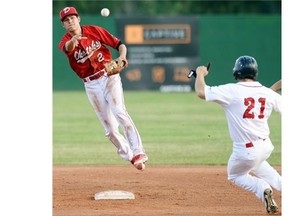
x: 270, y: 204
x: 139, y: 161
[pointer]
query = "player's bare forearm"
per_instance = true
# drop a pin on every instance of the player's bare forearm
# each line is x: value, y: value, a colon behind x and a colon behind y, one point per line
x: 200, y: 83
x: 277, y: 85
x: 122, y: 51
x: 200, y: 86
x: 71, y: 44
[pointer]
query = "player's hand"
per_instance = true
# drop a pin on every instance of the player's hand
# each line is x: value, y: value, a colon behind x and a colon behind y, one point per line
x: 123, y: 60
x: 201, y: 70
x: 75, y: 39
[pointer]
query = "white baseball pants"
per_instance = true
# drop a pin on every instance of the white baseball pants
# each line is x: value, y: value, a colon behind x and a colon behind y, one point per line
x: 245, y: 161
x: 106, y: 97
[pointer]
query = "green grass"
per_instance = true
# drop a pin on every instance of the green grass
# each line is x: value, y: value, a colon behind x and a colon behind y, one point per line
x: 176, y: 129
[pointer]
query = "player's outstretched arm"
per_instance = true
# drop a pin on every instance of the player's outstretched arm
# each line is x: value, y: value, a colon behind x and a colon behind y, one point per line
x: 122, y: 51
x: 122, y: 55
x: 200, y: 83
x: 71, y: 44
x: 277, y: 85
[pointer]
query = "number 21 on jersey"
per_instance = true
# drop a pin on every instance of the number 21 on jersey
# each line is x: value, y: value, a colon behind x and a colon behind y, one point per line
x: 250, y: 104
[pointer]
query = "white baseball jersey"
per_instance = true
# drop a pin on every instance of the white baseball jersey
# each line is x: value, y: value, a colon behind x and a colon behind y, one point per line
x: 248, y: 106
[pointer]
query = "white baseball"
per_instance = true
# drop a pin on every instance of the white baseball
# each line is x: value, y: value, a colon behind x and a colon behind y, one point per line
x: 105, y: 12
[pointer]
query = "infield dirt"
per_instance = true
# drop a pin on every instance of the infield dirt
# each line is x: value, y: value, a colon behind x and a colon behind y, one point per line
x: 159, y: 191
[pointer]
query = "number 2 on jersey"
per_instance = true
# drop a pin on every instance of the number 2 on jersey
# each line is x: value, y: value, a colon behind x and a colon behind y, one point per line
x: 250, y: 103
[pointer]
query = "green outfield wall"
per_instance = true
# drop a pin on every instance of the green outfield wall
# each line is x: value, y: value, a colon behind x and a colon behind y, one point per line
x: 224, y: 38
x: 221, y: 39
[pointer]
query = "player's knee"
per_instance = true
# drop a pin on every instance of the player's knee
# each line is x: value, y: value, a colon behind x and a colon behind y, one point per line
x: 119, y: 111
x: 113, y: 135
x: 124, y: 120
x: 110, y: 135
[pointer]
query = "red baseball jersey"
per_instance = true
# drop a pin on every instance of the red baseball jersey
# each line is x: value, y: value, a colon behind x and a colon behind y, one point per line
x: 91, y: 53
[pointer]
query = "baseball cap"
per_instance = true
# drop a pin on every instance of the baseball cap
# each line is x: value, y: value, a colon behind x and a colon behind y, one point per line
x: 67, y: 11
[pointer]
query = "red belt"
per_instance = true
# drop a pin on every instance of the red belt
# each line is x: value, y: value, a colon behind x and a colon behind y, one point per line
x: 249, y: 145
x: 95, y: 76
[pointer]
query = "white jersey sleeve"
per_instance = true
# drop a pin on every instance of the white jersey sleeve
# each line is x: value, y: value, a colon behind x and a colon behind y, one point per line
x: 248, y: 106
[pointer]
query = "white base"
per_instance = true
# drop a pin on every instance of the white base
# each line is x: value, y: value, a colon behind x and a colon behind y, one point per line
x: 115, y: 194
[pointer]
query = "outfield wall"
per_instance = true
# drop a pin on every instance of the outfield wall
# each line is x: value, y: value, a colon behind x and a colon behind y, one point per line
x: 220, y: 40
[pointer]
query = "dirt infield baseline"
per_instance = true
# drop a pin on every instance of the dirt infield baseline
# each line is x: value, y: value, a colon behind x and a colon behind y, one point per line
x: 159, y: 191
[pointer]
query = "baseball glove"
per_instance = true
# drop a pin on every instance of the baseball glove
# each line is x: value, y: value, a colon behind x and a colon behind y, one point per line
x: 115, y: 66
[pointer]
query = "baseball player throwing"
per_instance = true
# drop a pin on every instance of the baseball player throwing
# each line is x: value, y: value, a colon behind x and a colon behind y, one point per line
x: 248, y: 106
x: 85, y: 48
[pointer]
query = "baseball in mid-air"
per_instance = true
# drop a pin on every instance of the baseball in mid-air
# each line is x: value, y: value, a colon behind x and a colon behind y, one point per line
x: 105, y: 12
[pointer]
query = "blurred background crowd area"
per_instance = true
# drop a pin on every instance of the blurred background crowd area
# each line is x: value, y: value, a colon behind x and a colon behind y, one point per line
x: 173, y: 7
